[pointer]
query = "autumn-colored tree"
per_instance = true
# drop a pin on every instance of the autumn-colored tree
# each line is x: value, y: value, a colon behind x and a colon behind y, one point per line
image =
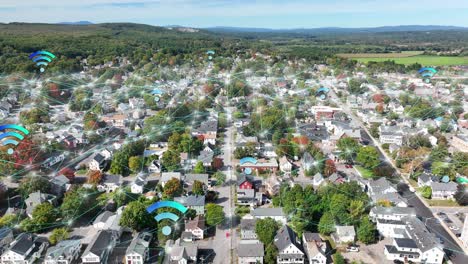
x: 380, y: 108
x: 67, y: 172
x: 172, y: 188
x: 217, y: 163
x: 27, y: 154
x: 330, y: 167
x: 94, y: 177
x: 198, y: 188
x: 378, y: 98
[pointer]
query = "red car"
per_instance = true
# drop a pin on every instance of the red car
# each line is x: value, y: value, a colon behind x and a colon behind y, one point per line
x: 227, y: 234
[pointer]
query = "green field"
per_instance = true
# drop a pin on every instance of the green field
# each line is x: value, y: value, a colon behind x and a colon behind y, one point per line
x: 421, y: 59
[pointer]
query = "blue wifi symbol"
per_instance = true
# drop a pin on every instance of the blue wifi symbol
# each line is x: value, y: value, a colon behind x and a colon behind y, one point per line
x: 427, y: 73
x: 42, y: 58
x: 11, y: 134
x: 166, y: 230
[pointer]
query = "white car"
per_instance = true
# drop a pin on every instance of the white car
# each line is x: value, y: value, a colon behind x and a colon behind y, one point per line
x: 352, y: 249
x: 454, y: 228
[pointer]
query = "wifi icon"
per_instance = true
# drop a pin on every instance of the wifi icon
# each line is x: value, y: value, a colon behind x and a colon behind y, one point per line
x: 427, y: 73
x: 42, y: 58
x: 166, y: 230
x: 9, y: 135
x: 210, y: 54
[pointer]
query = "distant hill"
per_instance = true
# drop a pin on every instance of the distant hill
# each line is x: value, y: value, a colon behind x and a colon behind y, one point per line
x: 77, y: 23
x: 405, y: 28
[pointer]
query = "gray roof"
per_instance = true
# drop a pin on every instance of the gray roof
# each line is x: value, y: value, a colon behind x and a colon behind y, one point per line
x: 191, y: 177
x: 405, y: 242
x: 345, y: 230
x: 419, y: 233
x: 103, y: 217
x: 208, y: 126
x: 140, y: 243
x: 309, y: 237
x: 197, y: 222
x: 166, y: 176
x: 268, y: 212
x: 440, y: 186
x: 100, y: 242
x: 4, y: 232
x: 192, y: 200
x: 248, y: 249
x: 205, y: 156
x: 23, y: 243
x: 109, y: 178
x: 63, y: 249
x: 392, y: 197
x: 248, y: 224
x: 393, y: 210
x: 60, y: 180
x: 426, y: 178
x: 245, y: 193
x: 285, y: 237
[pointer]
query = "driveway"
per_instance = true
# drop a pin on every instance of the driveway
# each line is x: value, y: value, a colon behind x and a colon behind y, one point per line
x: 370, y: 253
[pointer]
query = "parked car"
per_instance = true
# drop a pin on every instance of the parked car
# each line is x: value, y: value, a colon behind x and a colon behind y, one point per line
x: 454, y: 228
x: 352, y: 249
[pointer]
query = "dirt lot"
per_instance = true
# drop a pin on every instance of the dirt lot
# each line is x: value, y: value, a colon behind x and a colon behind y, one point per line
x: 370, y: 254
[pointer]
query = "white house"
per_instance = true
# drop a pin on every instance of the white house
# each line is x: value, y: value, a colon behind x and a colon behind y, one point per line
x: 315, y: 248
x: 276, y: 213
x: 167, y: 176
x: 139, y: 183
x: 196, y: 227
x: 65, y: 252
x: 441, y: 190
x: 138, y: 250
x: 344, y: 234
x: 289, y: 247
x: 110, y: 183
x: 285, y: 165
x: 26, y: 249
x: 250, y: 251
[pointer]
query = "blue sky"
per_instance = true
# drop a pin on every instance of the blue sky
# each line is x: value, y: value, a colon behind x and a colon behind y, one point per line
x: 242, y: 13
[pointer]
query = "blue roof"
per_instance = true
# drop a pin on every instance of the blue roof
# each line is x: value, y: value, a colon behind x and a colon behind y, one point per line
x: 440, y: 118
x: 445, y: 179
x: 157, y: 91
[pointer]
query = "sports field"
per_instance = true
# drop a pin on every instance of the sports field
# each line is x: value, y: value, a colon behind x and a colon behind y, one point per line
x: 406, y: 58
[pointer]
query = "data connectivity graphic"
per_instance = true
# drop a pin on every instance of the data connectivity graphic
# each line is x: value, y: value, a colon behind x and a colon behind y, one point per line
x: 166, y: 230
x: 42, y: 58
x: 427, y: 73
x: 322, y: 93
x: 6, y: 137
x: 210, y: 54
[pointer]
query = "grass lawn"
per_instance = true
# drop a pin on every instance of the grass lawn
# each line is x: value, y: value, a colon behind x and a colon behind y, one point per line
x: 442, y: 203
x: 365, y: 173
x: 421, y: 59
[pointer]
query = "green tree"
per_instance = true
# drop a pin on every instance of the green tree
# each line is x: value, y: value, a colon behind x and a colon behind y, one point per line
x: 135, y: 163
x: 136, y: 217
x: 356, y: 209
x: 220, y: 178
x: 171, y: 160
x: 173, y: 188
x: 348, y: 148
x: 439, y: 153
x: 426, y: 192
x: 338, y: 259
x: 326, y: 224
x: 443, y: 168
x: 33, y: 183
x: 368, y: 156
x: 119, y: 164
x: 198, y: 188
x: 78, y: 202
x: 266, y: 230
x: 199, y: 168
x: 10, y: 220
x: 271, y: 252
x: 214, y: 214
x: 58, y: 234
x: 43, y: 217
x: 366, y: 232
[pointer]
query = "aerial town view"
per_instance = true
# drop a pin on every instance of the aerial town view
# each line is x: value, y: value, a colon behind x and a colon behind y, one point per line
x: 225, y: 132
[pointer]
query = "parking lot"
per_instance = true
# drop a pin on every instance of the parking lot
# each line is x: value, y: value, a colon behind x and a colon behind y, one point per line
x: 370, y: 253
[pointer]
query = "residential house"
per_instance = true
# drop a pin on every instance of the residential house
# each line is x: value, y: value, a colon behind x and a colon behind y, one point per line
x: 268, y: 151
x: 65, y: 252
x: 196, y: 227
x: 285, y: 165
x: 167, y: 176
x: 195, y: 202
x: 248, y: 164
x: 37, y: 198
x: 6, y: 237
x: 418, y: 244
x: 100, y: 160
x: 182, y: 254
x: 426, y: 180
x: 109, y: 221
x: 59, y: 185
x: 100, y: 247
x: 154, y: 167
x: 391, y: 135
x: 51, y: 161
x: 460, y: 142
x: 245, y: 182
x: 190, y: 178
x: 315, y: 248
x: 117, y: 120
x: 272, y: 185
x: 442, y: 190
x: 248, y: 197
x: 276, y: 213
x: 138, y: 250
x: 289, y: 247
x: 307, y: 161
x: 336, y: 178
x: 247, y: 227
x: 344, y: 234
x: 206, y: 157
x: 208, y: 131
x: 25, y: 249
x: 317, y: 179
x: 110, y: 183
x: 139, y: 183
x: 250, y: 251
x: 389, y: 220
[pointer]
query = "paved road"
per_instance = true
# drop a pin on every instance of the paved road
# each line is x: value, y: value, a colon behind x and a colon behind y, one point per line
x: 452, y: 249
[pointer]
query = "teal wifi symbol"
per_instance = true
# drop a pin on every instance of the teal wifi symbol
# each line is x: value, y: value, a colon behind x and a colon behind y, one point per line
x: 166, y: 230
x: 42, y: 58
x: 8, y: 136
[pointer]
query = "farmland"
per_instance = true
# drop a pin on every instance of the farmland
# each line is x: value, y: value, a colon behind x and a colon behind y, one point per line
x: 407, y: 58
